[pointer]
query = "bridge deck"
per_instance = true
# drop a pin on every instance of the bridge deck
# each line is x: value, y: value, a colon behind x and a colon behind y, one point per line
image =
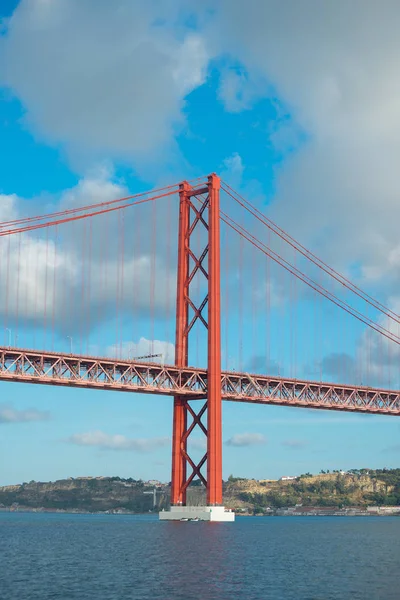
x: 48, y: 368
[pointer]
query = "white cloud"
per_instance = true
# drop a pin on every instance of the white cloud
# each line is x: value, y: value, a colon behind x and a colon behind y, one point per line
x: 144, y: 347
x: 8, y: 209
x: 238, y: 91
x: 333, y: 65
x: 75, y: 269
x: 233, y: 169
x: 375, y: 359
x: 246, y: 439
x: 334, y: 73
x: 103, y: 79
x: 8, y: 414
x: 96, y: 187
x: 105, y: 441
x: 191, y: 62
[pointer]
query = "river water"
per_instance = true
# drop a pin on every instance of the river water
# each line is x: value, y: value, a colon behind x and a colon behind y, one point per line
x: 105, y: 557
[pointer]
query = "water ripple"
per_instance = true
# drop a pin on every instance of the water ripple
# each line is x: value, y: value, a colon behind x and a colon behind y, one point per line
x: 103, y: 557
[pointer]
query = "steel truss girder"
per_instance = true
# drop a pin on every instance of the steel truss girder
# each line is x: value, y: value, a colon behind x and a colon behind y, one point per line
x: 50, y: 368
x: 260, y: 389
x: 98, y: 373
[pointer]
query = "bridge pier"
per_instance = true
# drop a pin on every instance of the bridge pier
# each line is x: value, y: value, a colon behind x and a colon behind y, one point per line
x: 200, y: 513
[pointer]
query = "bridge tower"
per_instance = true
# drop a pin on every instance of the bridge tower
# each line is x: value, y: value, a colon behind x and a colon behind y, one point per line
x: 198, y: 208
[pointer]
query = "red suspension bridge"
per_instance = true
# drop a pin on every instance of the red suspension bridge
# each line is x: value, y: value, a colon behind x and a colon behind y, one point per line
x: 96, y: 285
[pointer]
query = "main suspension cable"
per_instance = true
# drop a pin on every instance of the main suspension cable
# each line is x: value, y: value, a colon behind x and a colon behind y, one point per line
x: 68, y: 219
x: 307, y: 280
x: 308, y: 254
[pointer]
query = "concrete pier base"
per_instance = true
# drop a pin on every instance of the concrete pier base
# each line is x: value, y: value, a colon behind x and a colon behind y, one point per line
x: 201, y: 513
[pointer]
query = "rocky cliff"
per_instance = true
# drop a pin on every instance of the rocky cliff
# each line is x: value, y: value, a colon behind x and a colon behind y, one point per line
x: 355, y: 488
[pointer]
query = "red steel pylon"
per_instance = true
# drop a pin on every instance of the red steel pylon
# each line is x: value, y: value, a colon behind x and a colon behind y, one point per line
x: 199, y: 208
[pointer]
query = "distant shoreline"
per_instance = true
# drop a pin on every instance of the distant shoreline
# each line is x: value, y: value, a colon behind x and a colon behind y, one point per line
x: 355, y: 493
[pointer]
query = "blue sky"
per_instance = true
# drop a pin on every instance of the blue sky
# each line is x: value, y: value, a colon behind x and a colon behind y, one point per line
x: 176, y: 92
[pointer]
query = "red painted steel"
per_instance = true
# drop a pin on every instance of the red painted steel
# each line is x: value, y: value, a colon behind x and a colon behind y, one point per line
x: 199, y: 210
x: 178, y: 478
x: 214, y: 419
x: 51, y: 368
x: 195, y: 205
